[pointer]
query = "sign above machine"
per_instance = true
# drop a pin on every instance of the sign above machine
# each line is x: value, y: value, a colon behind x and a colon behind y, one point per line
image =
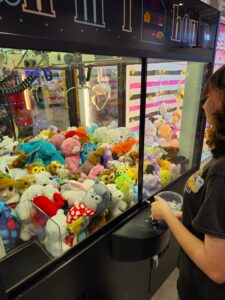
x: 130, y: 24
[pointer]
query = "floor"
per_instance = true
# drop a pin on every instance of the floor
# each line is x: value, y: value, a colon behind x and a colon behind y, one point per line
x: 168, y: 290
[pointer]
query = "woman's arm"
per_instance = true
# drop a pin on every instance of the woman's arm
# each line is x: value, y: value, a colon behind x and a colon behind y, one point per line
x: 207, y: 255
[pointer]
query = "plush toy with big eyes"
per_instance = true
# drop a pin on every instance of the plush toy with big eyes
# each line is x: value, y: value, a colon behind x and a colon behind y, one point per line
x: 107, y: 176
x: 8, y: 193
x: 36, y: 167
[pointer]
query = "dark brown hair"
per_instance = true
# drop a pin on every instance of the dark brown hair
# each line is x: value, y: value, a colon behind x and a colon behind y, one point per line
x: 216, y: 139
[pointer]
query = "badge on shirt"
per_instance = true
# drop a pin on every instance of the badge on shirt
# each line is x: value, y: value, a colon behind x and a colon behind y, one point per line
x: 195, y: 182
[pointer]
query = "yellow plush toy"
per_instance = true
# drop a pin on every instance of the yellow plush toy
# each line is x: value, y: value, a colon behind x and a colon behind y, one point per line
x: 37, y: 166
x: 165, y: 177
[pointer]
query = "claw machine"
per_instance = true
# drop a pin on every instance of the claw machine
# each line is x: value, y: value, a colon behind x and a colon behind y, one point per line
x: 98, y: 114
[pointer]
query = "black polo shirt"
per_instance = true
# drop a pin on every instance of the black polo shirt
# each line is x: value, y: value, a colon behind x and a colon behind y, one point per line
x: 203, y: 213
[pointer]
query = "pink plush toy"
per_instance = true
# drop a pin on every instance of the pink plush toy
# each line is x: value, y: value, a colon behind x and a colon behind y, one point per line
x: 92, y: 174
x: 57, y: 140
x: 70, y: 148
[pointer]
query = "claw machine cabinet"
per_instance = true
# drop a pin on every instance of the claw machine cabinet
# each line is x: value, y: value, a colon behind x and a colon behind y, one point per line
x: 144, y: 72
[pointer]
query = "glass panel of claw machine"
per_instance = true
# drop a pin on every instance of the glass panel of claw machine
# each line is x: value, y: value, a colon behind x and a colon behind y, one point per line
x: 60, y: 184
x: 172, y: 108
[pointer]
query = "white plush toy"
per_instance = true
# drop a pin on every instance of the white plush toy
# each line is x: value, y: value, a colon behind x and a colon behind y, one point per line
x: 44, y: 179
x: 56, y: 233
x: 116, y: 205
x: 111, y: 135
x: 16, y: 173
x: 24, y: 208
x: 75, y: 191
x: 6, y: 145
x: 4, y: 168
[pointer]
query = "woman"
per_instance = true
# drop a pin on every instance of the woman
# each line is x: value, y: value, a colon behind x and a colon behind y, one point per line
x: 201, y: 234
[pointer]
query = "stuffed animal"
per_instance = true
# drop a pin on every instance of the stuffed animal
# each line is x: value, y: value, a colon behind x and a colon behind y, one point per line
x: 124, y: 170
x: 41, y: 149
x: 93, y: 159
x: 85, y: 150
x: 111, y: 135
x: 116, y: 205
x: 78, y: 217
x: 125, y: 184
x: 9, y: 228
x: 8, y: 192
x: 71, y: 150
x: 167, y: 116
x: 124, y: 147
x: 37, y: 166
x: 74, y: 192
x: 151, y: 183
x: 56, y: 233
x: 7, y: 145
x: 5, y: 169
x: 80, y: 133
x: 97, y: 198
x: 57, y: 140
x: 107, y: 156
x: 24, y: 183
x: 91, y: 130
x: 23, y: 210
x: 55, y: 167
x: 165, y: 177
x: 165, y: 131
x: 49, y: 207
x: 107, y: 176
x: 20, y: 161
x: 150, y: 132
x: 93, y: 174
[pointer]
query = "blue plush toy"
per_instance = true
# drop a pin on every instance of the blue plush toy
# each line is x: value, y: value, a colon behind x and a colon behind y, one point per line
x: 86, y: 149
x: 9, y: 229
x: 91, y: 129
x: 41, y: 149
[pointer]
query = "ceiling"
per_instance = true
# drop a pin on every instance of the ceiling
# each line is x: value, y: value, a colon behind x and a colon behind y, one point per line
x: 219, y: 4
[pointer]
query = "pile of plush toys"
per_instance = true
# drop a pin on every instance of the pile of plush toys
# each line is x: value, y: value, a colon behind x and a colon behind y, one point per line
x: 61, y: 186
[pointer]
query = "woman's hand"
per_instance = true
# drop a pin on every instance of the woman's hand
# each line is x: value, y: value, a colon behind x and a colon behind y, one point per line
x: 160, y: 209
x: 178, y: 214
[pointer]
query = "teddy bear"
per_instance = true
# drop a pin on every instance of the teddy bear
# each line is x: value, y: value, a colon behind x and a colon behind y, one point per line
x: 57, y: 140
x: 70, y: 148
x: 56, y: 233
x: 116, y: 205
